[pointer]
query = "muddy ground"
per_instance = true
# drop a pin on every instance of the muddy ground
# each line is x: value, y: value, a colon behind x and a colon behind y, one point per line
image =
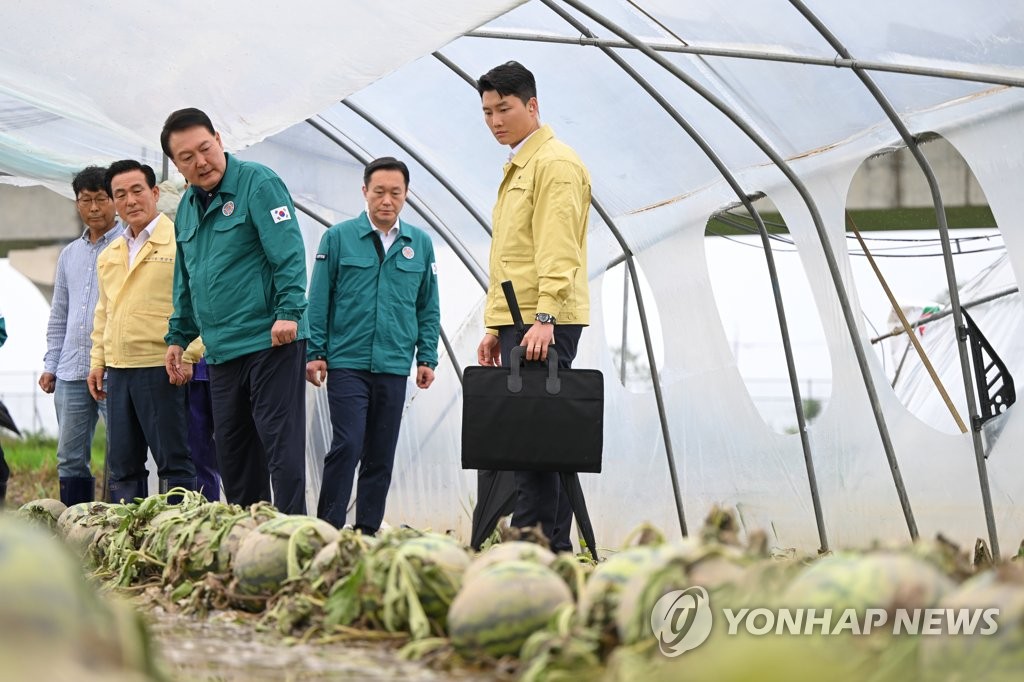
x: 226, y: 646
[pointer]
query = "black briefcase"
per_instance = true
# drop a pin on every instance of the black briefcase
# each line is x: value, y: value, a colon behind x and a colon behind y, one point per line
x: 532, y: 417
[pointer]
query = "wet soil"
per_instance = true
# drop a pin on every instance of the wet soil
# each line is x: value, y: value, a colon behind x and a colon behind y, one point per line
x: 225, y: 646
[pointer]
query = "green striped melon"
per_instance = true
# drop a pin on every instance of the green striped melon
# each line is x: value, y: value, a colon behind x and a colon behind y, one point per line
x: 277, y: 550
x: 433, y: 565
x: 515, y: 550
x: 860, y: 581
x: 600, y: 597
x: 502, y: 606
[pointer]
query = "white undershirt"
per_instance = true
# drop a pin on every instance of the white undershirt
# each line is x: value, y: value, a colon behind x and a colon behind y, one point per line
x: 135, y: 243
x: 388, y: 238
x: 515, y: 150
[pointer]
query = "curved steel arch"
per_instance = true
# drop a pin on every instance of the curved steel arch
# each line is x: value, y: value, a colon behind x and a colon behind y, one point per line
x: 947, y: 258
x: 759, y: 55
x: 408, y: 149
x: 819, y: 225
x: 450, y: 239
x: 744, y: 199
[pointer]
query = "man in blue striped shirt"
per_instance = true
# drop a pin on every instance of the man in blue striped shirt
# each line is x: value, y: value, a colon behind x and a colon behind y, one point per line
x: 66, y: 363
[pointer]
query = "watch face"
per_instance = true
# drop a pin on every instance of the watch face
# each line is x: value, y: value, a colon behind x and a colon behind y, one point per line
x: 544, y: 318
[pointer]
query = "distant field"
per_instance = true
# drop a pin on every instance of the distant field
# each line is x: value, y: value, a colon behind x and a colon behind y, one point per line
x: 33, y: 462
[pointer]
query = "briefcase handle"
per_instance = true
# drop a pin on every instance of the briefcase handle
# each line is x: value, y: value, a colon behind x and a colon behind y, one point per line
x: 516, y: 358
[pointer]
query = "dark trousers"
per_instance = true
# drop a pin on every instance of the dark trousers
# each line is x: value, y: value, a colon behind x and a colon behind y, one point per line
x: 259, y: 426
x: 539, y: 495
x: 145, y: 410
x: 366, y: 413
x: 200, y: 438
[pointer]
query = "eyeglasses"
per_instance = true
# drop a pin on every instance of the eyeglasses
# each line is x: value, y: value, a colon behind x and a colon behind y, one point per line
x: 100, y: 200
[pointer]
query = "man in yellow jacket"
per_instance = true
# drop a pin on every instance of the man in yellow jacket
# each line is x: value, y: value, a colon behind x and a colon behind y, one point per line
x: 144, y: 409
x: 539, y: 243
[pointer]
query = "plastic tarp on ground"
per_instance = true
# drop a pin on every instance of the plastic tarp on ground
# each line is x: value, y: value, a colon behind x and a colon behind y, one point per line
x: 657, y: 189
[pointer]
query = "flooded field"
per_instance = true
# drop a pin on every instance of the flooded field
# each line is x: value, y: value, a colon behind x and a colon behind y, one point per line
x: 226, y: 647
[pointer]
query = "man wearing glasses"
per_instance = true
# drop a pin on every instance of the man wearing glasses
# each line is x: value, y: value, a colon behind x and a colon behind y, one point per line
x: 66, y: 363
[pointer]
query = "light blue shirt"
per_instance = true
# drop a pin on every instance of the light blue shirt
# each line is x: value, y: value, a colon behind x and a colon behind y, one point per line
x: 75, y: 292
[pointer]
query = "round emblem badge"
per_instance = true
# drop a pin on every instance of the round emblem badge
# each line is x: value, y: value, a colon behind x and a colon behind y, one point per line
x: 228, y: 209
x: 408, y: 252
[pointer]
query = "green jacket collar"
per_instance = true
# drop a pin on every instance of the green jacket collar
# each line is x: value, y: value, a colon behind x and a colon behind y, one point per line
x: 228, y: 184
x: 366, y: 228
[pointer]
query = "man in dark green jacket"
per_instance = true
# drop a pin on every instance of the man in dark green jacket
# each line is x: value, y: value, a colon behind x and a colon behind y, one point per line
x: 372, y: 305
x: 240, y: 282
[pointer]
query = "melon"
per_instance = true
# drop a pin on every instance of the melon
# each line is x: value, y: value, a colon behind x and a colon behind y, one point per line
x: 45, y: 512
x: 881, y: 580
x: 515, y: 550
x: 600, y: 597
x: 77, y: 512
x: 502, y: 606
x: 424, y: 576
x: 277, y: 550
x: 983, y: 654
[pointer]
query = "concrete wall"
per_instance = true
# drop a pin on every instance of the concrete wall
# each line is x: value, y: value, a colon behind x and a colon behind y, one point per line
x: 36, y: 214
x: 896, y: 181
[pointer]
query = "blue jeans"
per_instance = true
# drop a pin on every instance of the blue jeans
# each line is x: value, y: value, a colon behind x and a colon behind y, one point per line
x: 77, y: 414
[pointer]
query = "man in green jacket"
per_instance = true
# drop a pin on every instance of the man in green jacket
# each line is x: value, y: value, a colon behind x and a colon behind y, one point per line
x: 240, y: 282
x: 372, y: 305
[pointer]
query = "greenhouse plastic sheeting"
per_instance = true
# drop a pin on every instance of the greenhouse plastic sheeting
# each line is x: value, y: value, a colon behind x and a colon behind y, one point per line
x: 657, y: 189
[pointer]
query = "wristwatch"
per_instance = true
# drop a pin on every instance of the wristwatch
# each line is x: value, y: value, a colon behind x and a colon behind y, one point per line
x: 544, y: 318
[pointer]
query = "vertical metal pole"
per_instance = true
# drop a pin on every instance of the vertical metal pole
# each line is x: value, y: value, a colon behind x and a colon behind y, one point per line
x: 766, y: 243
x: 625, y: 322
x: 819, y: 225
x: 947, y: 258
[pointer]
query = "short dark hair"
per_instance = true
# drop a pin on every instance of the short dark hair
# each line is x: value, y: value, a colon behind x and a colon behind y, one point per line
x: 90, y: 179
x: 385, y: 163
x: 126, y: 166
x: 510, y: 78
x: 182, y: 119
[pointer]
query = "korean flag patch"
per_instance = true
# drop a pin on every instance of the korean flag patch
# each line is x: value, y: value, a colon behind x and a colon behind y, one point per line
x: 280, y: 214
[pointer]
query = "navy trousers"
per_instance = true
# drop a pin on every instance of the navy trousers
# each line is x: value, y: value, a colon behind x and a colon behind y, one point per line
x: 145, y: 410
x: 539, y: 495
x: 259, y: 426
x: 366, y: 413
x: 200, y: 438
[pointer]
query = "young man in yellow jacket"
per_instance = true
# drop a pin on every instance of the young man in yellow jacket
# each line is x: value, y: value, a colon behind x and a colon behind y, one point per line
x: 539, y: 243
x: 144, y: 409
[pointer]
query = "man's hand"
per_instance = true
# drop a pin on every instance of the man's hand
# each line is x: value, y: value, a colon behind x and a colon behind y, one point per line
x: 184, y: 374
x: 424, y: 376
x: 174, y: 365
x: 95, y: 383
x: 316, y: 372
x: 488, y: 353
x: 284, y: 331
x: 537, y: 339
x: 48, y: 382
